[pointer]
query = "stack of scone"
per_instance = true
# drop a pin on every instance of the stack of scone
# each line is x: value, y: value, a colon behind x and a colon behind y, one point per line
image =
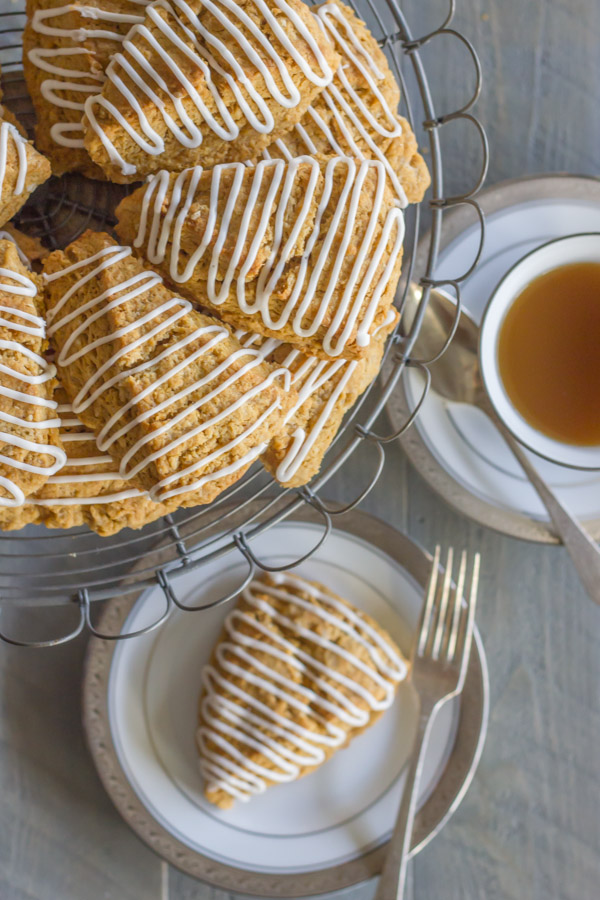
x: 248, y: 302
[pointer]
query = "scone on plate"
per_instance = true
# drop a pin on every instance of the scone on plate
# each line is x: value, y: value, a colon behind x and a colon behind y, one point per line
x: 357, y: 114
x: 297, y: 673
x: 66, y: 48
x: 22, y: 168
x: 168, y: 392
x: 326, y: 390
x: 304, y: 251
x: 29, y: 444
x: 87, y: 490
x: 203, y: 83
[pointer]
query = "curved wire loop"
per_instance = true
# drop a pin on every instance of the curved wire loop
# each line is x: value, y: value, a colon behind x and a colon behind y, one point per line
x: 379, y: 439
x: 446, y: 202
x: 163, y: 580
x: 413, y: 361
x: 454, y: 202
x: 461, y: 111
x: 85, y: 602
x: 52, y: 642
x: 415, y: 44
x: 339, y: 511
x: 310, y: 498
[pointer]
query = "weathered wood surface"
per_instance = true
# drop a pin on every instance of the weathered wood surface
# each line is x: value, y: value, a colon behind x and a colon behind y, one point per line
x: 529, y: 828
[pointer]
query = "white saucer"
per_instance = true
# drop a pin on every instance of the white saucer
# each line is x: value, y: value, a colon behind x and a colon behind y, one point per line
x: 323, y: 832
x: 454, y: 446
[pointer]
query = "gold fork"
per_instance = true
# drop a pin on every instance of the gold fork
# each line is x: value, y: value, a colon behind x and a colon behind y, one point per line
x: 440, y: 658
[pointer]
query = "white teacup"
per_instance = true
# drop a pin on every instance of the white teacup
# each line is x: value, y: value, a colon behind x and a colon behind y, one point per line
x: 576, y: 248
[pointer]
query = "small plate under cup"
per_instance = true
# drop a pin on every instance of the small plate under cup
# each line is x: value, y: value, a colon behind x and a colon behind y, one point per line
x: 455, y: 447
x: 328, y: 830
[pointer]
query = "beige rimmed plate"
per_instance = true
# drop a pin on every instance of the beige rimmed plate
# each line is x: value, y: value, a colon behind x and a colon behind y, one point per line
x: 455, y: 447
x: 326, y: 832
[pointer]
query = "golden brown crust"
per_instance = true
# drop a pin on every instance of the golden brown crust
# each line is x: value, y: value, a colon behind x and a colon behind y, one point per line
x: 89, y: 55
x: 275, y: 613
x: 30, y: 246
x: 213, y: 148
x: 25, y: 169
x: 187, y: 406
x: 357, y: 114
x: 357, y: 215
x: 91, y: 492
x: 295, y: 454
x: 408, y: 163
x: 20, y: 419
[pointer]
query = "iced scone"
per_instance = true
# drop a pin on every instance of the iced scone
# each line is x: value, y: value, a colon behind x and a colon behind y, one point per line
x: 297, y: 673
x: 168, y: 392
x: 304, y: 251
x: 30, y: 448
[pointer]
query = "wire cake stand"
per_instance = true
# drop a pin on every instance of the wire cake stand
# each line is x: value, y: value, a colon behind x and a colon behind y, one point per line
x: 40, y: 567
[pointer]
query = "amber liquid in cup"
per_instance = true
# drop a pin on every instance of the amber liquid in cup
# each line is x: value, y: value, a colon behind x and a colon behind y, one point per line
x: 549, y: 354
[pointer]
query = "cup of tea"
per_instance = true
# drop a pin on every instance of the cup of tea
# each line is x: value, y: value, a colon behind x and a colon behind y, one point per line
x: 539, y: 350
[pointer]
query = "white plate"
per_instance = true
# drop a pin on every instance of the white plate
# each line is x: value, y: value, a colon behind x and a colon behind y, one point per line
x: 454, y: 446
x: 321, y: 832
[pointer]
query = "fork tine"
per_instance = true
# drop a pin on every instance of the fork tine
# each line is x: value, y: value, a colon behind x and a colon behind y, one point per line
x: 467, y: 620
x: 455, y: 608
x: 424, y: 624
x: 440, y: 625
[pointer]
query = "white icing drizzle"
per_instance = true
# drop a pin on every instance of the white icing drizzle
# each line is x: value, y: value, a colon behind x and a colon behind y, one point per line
x: 68, y: 420
x: 84, y: 80
x: 307, y: 378
x: 348, y: 106
x: 163, y: 218
x: 27, y: 323
x: 8, y: 133
x: 242, y: 67
x: 353, y: 111
x: 7, y: 236
x: 247, y: 721
x: 198, y: 343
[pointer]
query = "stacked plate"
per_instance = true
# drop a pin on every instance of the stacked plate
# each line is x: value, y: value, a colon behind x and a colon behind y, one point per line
x: 326, y: 831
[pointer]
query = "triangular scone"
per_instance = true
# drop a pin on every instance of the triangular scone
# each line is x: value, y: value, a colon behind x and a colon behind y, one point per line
x: 168, y: 392
x: 326, y: 390
x: 86, y: 491
x: 29, y: 444
x: 297, y: 673
x: 305, y: 252
x: 356, y: 115
x: 22, y: 168
x: 66, y: 49
x: 205, y: 83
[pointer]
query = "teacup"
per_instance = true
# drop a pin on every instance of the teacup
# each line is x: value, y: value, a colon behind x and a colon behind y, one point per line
x: 577, y: 248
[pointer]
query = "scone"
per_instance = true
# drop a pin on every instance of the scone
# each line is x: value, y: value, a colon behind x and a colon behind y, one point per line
x: 296, y: 674
x: 326, y: 390
x: 87, y: 490
x: 356, y: 115
x: 29, y: 443
x: 305, y: 252
x: 66, y: 49
x: 204, y: 83
x: 22, y: 168
x: 168, y: 392
x: 30, y: 249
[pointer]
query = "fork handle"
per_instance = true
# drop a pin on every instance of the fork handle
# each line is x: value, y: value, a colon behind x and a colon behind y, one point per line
x: 579, y: 544
x: 393, y: 874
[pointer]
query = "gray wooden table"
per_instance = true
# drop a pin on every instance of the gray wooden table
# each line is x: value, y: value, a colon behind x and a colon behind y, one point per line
x: 530, y: 825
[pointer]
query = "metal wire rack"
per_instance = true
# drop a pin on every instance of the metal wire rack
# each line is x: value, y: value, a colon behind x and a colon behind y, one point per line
x: 40, y: 567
